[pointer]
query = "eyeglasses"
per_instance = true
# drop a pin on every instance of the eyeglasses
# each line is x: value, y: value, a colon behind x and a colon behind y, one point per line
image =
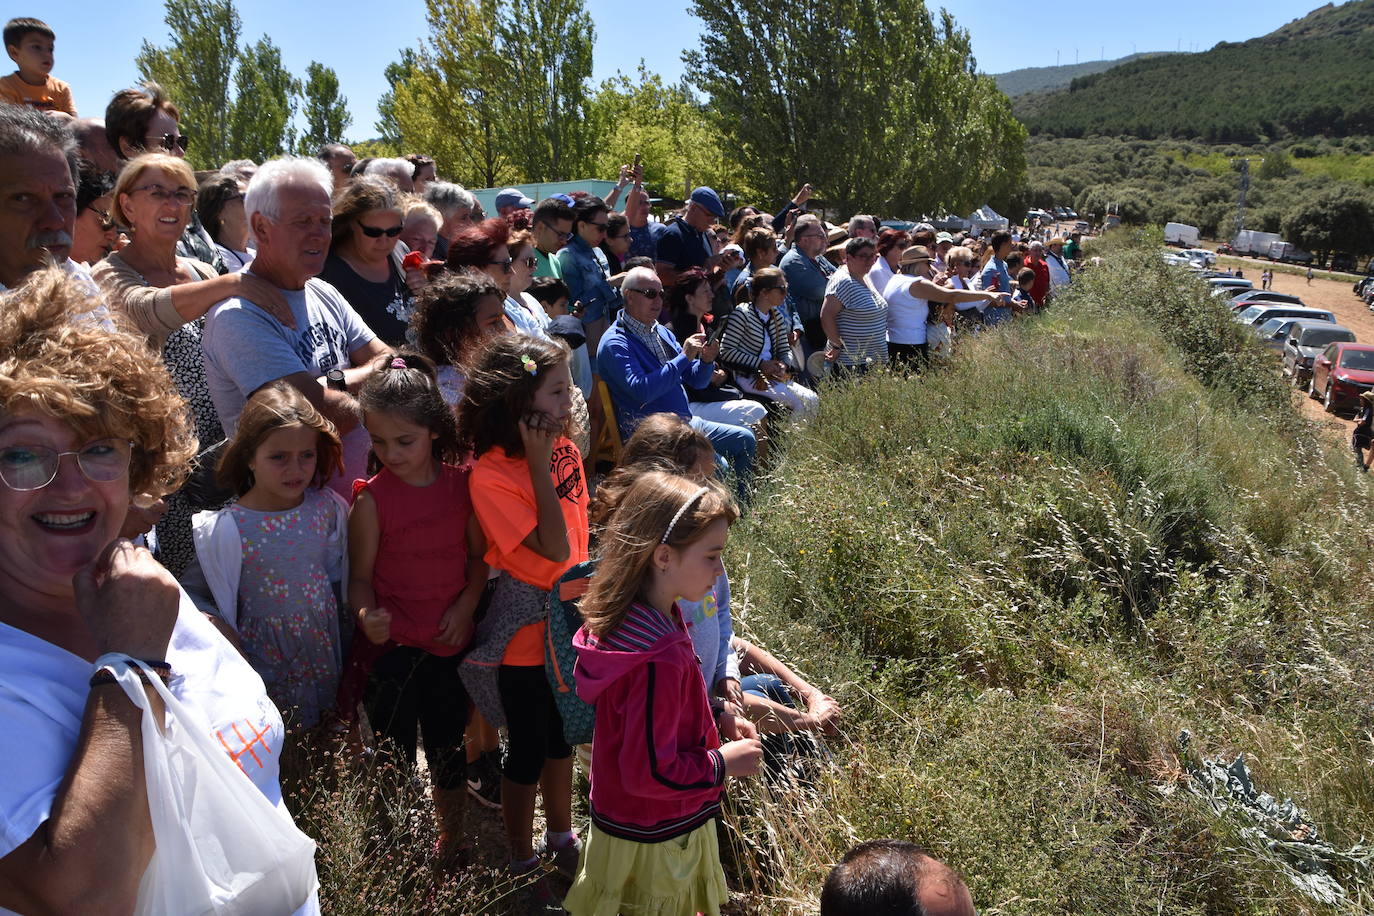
x: 599, y: 227
x: 106, y: 223
x: 170, y: 142
x: 185, y: 197
x: 506, y: 265
x: 646, y: 293
x: 563, y: 236
x: 376, y: 232
x: 33, y: 467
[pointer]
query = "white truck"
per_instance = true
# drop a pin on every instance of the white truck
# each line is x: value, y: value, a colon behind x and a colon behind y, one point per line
x: 1180, y: 234
x: 1254, y: 242
x: 1287, y: 251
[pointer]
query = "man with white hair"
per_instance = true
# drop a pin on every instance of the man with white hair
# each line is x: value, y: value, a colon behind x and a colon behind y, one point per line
x: 397, y: 171
x: 644, y: 368
x: 1035, y: 260
x: 329, y: 352
x: 38, y: 174
x: 863, y: 227
x: 454, y: 203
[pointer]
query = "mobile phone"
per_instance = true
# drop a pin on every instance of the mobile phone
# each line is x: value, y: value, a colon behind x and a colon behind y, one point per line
x: 717, y: 330
x: 636, y: 164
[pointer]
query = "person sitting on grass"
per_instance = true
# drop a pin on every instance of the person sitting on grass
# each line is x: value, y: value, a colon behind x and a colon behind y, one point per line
x: 894, y: 878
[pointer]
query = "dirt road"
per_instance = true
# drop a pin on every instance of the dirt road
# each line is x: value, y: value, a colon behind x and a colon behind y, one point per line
x: 1349, y: 311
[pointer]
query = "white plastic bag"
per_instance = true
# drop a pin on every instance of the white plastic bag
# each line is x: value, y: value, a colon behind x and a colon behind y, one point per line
x: 222, y: 847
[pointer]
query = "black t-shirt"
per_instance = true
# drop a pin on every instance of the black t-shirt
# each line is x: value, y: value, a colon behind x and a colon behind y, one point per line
x: 385, y: 306
x: 682, y: 246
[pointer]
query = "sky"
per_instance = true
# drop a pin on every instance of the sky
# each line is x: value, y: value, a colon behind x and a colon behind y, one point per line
x: 98, y: 41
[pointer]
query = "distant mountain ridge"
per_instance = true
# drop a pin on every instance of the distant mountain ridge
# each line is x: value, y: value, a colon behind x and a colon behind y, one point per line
x: 1311, y: 77
x: 1045, y: 79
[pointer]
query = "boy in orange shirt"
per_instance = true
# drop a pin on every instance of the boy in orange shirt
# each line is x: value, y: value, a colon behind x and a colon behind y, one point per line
x: 29, y: 43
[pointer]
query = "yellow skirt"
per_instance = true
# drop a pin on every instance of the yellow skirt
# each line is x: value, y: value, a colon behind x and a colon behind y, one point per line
x: 678, y: 877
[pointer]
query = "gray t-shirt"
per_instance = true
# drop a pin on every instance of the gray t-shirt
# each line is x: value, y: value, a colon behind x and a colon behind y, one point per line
x: 245, y: 348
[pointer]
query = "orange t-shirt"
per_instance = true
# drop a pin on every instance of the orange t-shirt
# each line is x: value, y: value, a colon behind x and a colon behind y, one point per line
x: 54, y: 95
x: 503, y: 498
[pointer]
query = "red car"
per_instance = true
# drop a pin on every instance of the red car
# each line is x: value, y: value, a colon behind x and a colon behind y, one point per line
x: 1341, y: 374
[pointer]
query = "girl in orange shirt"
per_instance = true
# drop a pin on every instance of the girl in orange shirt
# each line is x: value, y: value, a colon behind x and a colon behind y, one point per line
x: 530, y: 497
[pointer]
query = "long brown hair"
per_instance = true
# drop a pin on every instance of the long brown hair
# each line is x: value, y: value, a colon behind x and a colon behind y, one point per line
x: 661, y: 441
x: 503, y: 376
x: 642, y: 521
x: 275, y: 406
x: 404, y: 383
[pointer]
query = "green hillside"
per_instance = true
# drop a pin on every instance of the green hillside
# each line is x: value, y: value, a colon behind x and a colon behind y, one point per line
x: 1046, y: 79
x: 1311, y: 77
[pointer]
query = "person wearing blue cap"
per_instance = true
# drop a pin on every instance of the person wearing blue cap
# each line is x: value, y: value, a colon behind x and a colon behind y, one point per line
x: 685, y: 242
x: 509, y: 200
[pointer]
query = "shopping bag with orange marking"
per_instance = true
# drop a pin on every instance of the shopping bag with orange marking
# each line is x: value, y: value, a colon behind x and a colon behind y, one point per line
x: 222, y: 849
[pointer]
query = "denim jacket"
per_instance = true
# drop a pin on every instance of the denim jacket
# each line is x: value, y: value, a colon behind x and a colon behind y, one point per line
x: 584, y: 270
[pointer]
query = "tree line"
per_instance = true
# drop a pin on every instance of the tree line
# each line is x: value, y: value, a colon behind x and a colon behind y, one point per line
x: 878, y: 105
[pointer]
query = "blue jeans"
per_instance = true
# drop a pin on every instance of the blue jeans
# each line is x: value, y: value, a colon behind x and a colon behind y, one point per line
x: 769, y: 687
x: 737, y: 445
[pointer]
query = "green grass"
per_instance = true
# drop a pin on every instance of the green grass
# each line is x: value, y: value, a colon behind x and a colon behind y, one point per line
x: 1023, y: 577
x: 1350, y: 167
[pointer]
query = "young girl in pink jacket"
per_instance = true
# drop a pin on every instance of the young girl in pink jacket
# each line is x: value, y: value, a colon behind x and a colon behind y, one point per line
x: 658, y: 765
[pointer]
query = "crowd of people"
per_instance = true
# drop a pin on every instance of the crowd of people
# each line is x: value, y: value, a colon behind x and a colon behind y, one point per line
x: 331, y: 429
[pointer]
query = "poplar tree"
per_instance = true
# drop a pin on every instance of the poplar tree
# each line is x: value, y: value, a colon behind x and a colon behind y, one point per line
x: 325, y: 110
x: 264, y: 104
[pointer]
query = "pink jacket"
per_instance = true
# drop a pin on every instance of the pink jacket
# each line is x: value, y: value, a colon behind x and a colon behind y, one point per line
x: 657, y: 770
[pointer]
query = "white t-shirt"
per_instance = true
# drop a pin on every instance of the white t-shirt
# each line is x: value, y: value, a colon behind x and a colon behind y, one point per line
x: 880, y: 274
x: 906, y: 315
x: 43, y: 692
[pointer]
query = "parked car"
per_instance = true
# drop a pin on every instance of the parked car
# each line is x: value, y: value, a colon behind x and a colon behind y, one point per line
x: 1231, y: 285
x: 1261, y: 312
x: 1251, y: 296
x: 1341, y: 373
x: 1274, y: 332
x: 1225, y: 248
x: 1306, y: 339
x: 1081, y: 226
x: 1342, y: 262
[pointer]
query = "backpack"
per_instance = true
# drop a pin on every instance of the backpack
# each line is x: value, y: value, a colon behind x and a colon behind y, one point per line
x: 560, y: 659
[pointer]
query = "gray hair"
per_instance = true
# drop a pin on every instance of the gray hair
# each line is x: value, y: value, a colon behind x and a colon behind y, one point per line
x: 239, y: 169
x: 25, y: 132
x: 448, y: 198
x: 1037, y: 245
x: 263, y: 194
x: 858, y: 222
x: 396, y: 170
x: 636, y: 274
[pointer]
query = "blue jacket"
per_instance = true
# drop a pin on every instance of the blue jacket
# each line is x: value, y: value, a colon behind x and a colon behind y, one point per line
x: 585, y: 275
x: 639, y: 386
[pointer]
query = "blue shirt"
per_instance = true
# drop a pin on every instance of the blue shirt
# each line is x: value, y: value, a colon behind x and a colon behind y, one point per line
x: 682, y: 246
x: 641, y: 384
x: 584, y: 270
x: 806, y: 283
x: 996, y: 269
x: 644, y: 241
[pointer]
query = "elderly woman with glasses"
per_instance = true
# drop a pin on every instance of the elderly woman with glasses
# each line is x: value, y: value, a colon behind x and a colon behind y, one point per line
x: 220, y: 206
x: 362, y: 264
x: 854, y: 314
x: 89, y: 420
x: 94, y: 234
x: 583, y: 267
x: 167, y: 298
x: 757, y: 345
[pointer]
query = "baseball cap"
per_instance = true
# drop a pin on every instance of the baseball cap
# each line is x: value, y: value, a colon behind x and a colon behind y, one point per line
x: 943, y: 237
x: 510, y: 197
x: 709, y: 199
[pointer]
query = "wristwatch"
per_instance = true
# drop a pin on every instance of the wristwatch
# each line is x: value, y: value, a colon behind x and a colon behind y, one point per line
x: 334, y: 378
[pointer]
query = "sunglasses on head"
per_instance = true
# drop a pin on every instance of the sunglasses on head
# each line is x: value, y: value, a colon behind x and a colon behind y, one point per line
x: 646, y: 293
x: 376, y: 232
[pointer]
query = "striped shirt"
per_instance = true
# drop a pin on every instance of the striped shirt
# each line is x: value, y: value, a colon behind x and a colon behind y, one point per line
x: 862, y: 322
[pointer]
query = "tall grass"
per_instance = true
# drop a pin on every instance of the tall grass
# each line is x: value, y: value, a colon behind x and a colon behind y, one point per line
x: 1024, y: 576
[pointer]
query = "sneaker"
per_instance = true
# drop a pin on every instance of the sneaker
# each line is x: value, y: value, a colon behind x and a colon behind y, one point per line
x: 564, y: 858
x: 484, y: 782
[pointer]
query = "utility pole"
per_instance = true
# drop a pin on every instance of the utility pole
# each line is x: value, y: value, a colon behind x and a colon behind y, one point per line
x: 1244, y: 186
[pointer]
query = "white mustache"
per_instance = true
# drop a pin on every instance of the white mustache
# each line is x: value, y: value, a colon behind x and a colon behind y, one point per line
x: 58, y: 239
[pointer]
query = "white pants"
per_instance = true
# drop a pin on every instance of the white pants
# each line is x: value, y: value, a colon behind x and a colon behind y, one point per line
x: 802, y: 400
x: 734, y: 413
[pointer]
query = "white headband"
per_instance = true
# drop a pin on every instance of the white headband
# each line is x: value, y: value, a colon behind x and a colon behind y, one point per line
x: 685, y: 506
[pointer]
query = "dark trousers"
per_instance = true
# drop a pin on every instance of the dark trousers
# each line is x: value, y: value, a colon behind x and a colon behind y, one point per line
x: 410, y: 690
x: 533, y: 725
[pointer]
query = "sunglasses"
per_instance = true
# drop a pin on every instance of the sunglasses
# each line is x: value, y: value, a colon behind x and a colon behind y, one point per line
x: 531, y: 263
x: 505, y: 265
x: 599, y: 227
x: 646, y: 293
x: 376, y: 232
x: 170, y: 142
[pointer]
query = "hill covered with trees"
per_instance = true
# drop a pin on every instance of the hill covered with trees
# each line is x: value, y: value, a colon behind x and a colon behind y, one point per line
x: 1046, y: 79
x: 1312, y: 77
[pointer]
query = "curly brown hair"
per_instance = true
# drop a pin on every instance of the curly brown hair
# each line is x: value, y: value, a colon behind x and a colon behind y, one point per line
x: 103, y: 381
x: 403, y: 382
x: 277, y: 405
x: 500, y: 390
x: 445, y: 316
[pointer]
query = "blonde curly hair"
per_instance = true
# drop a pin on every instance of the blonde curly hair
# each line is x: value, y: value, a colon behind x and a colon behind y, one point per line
x: 57, y: 360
